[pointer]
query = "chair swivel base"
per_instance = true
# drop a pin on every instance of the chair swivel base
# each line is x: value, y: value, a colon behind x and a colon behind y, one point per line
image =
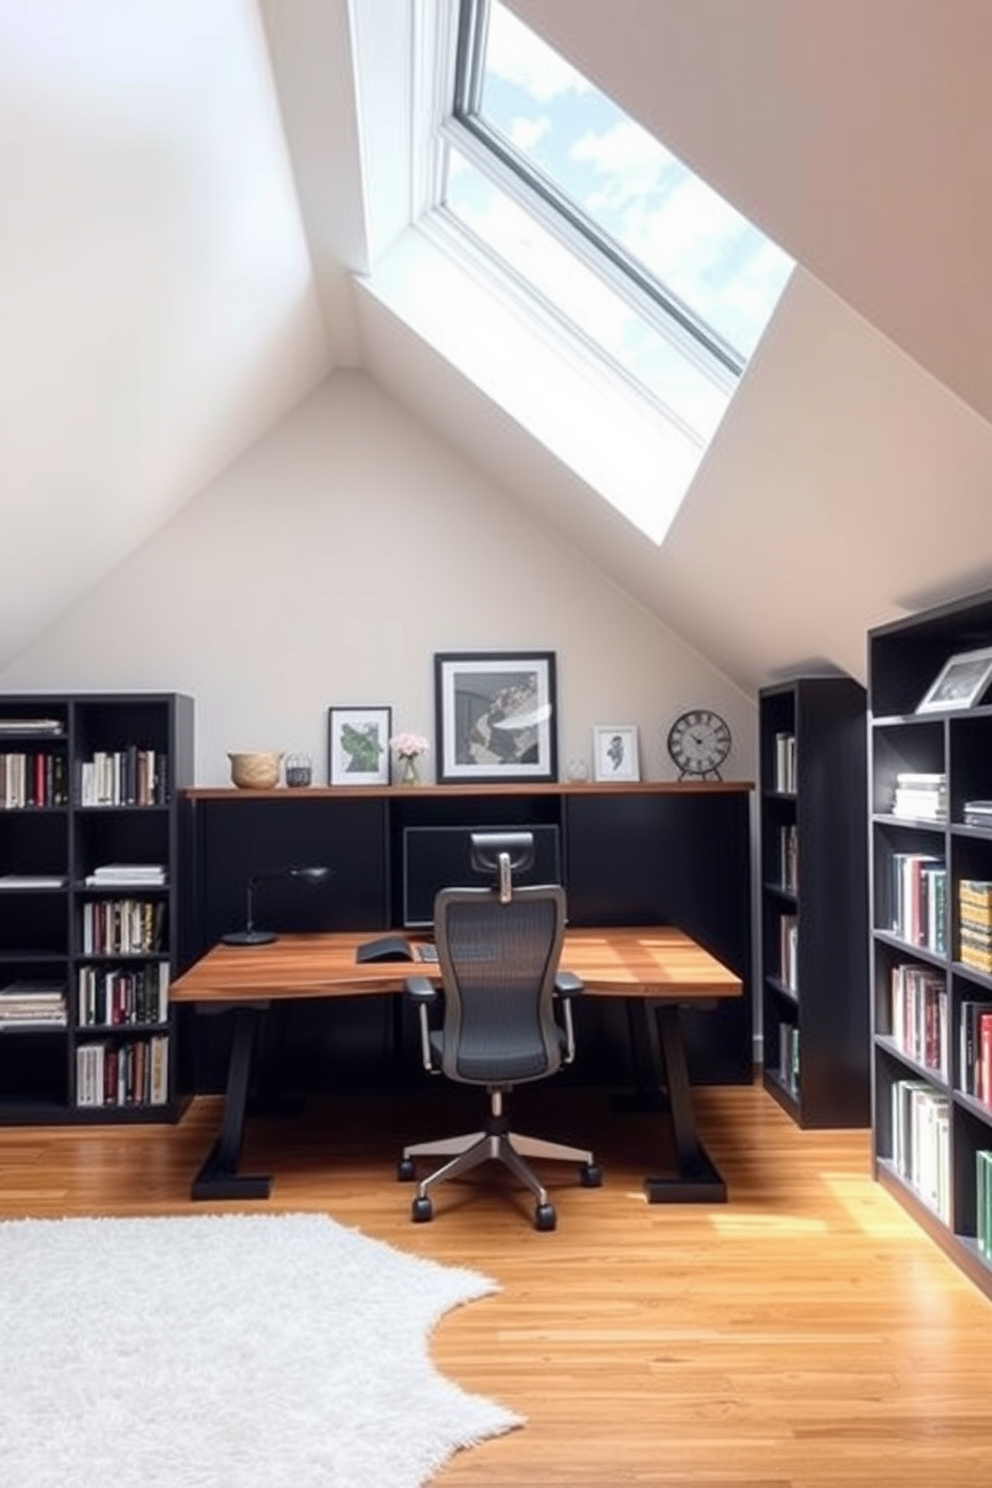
x: 499, y: 1143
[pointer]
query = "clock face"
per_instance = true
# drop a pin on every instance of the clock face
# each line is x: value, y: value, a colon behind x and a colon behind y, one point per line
x: 699, y: 742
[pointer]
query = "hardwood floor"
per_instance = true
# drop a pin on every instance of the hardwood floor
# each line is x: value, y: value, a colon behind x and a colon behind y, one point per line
x: 804, y: 1335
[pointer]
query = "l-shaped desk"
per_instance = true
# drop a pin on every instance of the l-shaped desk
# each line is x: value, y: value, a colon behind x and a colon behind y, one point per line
x: 655, y: 968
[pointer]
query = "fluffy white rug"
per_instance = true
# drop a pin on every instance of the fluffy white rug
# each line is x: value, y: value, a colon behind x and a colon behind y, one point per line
x: 234, y: 1351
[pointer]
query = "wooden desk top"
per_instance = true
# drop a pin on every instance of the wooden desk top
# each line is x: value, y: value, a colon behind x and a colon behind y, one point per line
x: 644, y: 961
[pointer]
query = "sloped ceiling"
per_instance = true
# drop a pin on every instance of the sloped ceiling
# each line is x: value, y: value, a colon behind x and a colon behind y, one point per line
x: 190, y: 187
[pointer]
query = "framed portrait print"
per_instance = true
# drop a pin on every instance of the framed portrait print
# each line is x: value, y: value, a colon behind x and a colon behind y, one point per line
x: 496, y: 716
x: 358, y: 746
x: 614, y: 752
x: 960, y: 683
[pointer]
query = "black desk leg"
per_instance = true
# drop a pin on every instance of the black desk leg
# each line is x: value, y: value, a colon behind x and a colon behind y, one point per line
x: 218, y: 1178
x: 695, y: 1180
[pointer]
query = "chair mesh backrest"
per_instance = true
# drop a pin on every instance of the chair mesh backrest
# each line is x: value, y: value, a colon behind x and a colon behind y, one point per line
x: 498, y: 963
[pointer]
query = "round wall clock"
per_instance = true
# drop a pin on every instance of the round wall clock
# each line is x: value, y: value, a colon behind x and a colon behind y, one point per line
x: 699, y: 742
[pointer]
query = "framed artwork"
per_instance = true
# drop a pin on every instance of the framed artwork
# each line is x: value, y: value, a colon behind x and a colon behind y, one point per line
x: 614, y: 752
x: 960, y: 682
x: 358, y: 746
x: 496, y: 716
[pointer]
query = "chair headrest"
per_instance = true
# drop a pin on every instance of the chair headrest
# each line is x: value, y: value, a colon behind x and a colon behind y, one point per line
x: 502, y: 854
x: 488, y: 847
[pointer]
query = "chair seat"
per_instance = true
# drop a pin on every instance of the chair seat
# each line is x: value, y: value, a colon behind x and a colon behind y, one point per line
x: 477, y: 1064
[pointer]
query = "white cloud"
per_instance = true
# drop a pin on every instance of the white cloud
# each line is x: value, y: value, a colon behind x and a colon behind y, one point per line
x: 517, y: 56
x: 526, y: 133
x: 630, y: 159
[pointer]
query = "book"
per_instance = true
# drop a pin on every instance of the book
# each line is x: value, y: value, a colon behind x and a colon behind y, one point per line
x: 31, y: 726
x: 32, y: 881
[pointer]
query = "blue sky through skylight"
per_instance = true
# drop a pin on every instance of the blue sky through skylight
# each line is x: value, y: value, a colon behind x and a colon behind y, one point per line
x: 699, y: 247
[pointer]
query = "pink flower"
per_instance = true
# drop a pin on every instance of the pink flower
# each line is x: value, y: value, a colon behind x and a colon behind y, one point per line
x: 409, y: 746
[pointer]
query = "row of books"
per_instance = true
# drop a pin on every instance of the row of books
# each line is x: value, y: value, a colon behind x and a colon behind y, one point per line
x: 122, y: 927
x: 33, y: 1002
x: 788, y: 951
x: 124, y: 777
x: 788, y: 858
x: 919, y: 1015
x: 918, y: 894
x: 921, y: 1142
x: 38, y: 778
x: 785, y: 762
x: 788, y: 1057
x: 983, y: 1202
x: 121, y: 996
x: 975, y: 923
x: 975, y: 1049
x: 130, y: 1073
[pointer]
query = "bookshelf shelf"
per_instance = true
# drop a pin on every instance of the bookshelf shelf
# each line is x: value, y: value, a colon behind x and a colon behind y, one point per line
x: 141, y: 747
x: 939, y: 1121
x: 812, y: 761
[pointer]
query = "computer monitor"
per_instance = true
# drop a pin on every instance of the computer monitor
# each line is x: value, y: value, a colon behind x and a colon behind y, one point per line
x: 441, y: 858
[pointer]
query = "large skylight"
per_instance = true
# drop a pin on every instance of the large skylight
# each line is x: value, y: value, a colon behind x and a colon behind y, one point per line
x: 635, y: 258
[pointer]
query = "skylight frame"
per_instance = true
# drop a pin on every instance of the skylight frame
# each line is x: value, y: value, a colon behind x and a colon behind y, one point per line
x: 512, y: 173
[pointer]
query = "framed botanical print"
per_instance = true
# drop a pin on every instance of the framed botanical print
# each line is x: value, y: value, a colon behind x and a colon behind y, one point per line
x: 358, y: 746
x: 615, y: 752
x: 496, y: 715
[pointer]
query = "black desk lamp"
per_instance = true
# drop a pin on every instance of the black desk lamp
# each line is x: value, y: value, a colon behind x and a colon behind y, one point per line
x: 249, y: 936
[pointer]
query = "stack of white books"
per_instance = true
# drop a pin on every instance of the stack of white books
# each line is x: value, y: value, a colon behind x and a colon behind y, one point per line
x: 921, y: 795
x: 126, y: 875
x: 32, y: 1003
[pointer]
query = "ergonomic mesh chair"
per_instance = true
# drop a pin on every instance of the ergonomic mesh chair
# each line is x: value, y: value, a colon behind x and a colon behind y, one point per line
x: 498, y: 949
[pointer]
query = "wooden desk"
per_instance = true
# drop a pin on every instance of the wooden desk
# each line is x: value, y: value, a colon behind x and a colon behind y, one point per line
x: 655, y: 968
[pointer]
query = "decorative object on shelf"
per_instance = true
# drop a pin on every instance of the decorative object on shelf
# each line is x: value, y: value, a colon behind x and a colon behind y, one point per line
x: 299, y: 770
x: 250, y: 936
x: 698, y: 743
x: 615, y: 753
x: 255, y: 771
x: 577, y: 771
x: 496, y: 716
x: 408, y: 749
x: 960, y: 682
x: 358, y: 746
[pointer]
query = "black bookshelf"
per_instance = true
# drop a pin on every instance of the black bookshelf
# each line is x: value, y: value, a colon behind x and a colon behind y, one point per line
x: 814, y: 899
x: 88, y: 781
x: 930, y: 1118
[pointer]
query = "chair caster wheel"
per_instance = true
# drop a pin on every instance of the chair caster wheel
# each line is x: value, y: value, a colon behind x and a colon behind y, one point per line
x: 406, y: 1170
x: 421, y: 1210
x: 591, y: 1175
x: 545, y: 1217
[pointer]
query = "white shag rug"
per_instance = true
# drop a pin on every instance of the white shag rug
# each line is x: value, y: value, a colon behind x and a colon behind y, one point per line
x: 230, y: 1351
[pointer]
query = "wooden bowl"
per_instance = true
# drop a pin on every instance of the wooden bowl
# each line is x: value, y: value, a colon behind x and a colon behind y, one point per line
x: 258, y: 771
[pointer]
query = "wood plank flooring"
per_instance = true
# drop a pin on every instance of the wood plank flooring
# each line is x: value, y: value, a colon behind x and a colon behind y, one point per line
x: 804, y: 1335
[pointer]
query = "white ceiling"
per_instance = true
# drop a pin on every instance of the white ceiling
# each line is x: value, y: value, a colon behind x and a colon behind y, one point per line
x: 192, y: 186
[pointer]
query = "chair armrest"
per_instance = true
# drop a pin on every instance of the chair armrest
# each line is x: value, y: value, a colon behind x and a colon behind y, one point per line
x: 567, y: 984
x: 421, y: 989
x: 423, y: 993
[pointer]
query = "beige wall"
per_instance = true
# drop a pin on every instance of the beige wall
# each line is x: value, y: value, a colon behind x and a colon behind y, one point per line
x: 330, y: 563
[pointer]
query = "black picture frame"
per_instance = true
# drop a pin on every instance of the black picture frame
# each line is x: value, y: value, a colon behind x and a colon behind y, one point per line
x: 496, y: 715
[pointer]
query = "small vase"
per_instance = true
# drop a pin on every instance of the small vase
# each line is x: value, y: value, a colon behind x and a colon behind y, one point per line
x: 409, y: 770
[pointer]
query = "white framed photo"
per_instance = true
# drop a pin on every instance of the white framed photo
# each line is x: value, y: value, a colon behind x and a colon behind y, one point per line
x: 614, y: 752
x: 358, y: 746
x: 960, y: 683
